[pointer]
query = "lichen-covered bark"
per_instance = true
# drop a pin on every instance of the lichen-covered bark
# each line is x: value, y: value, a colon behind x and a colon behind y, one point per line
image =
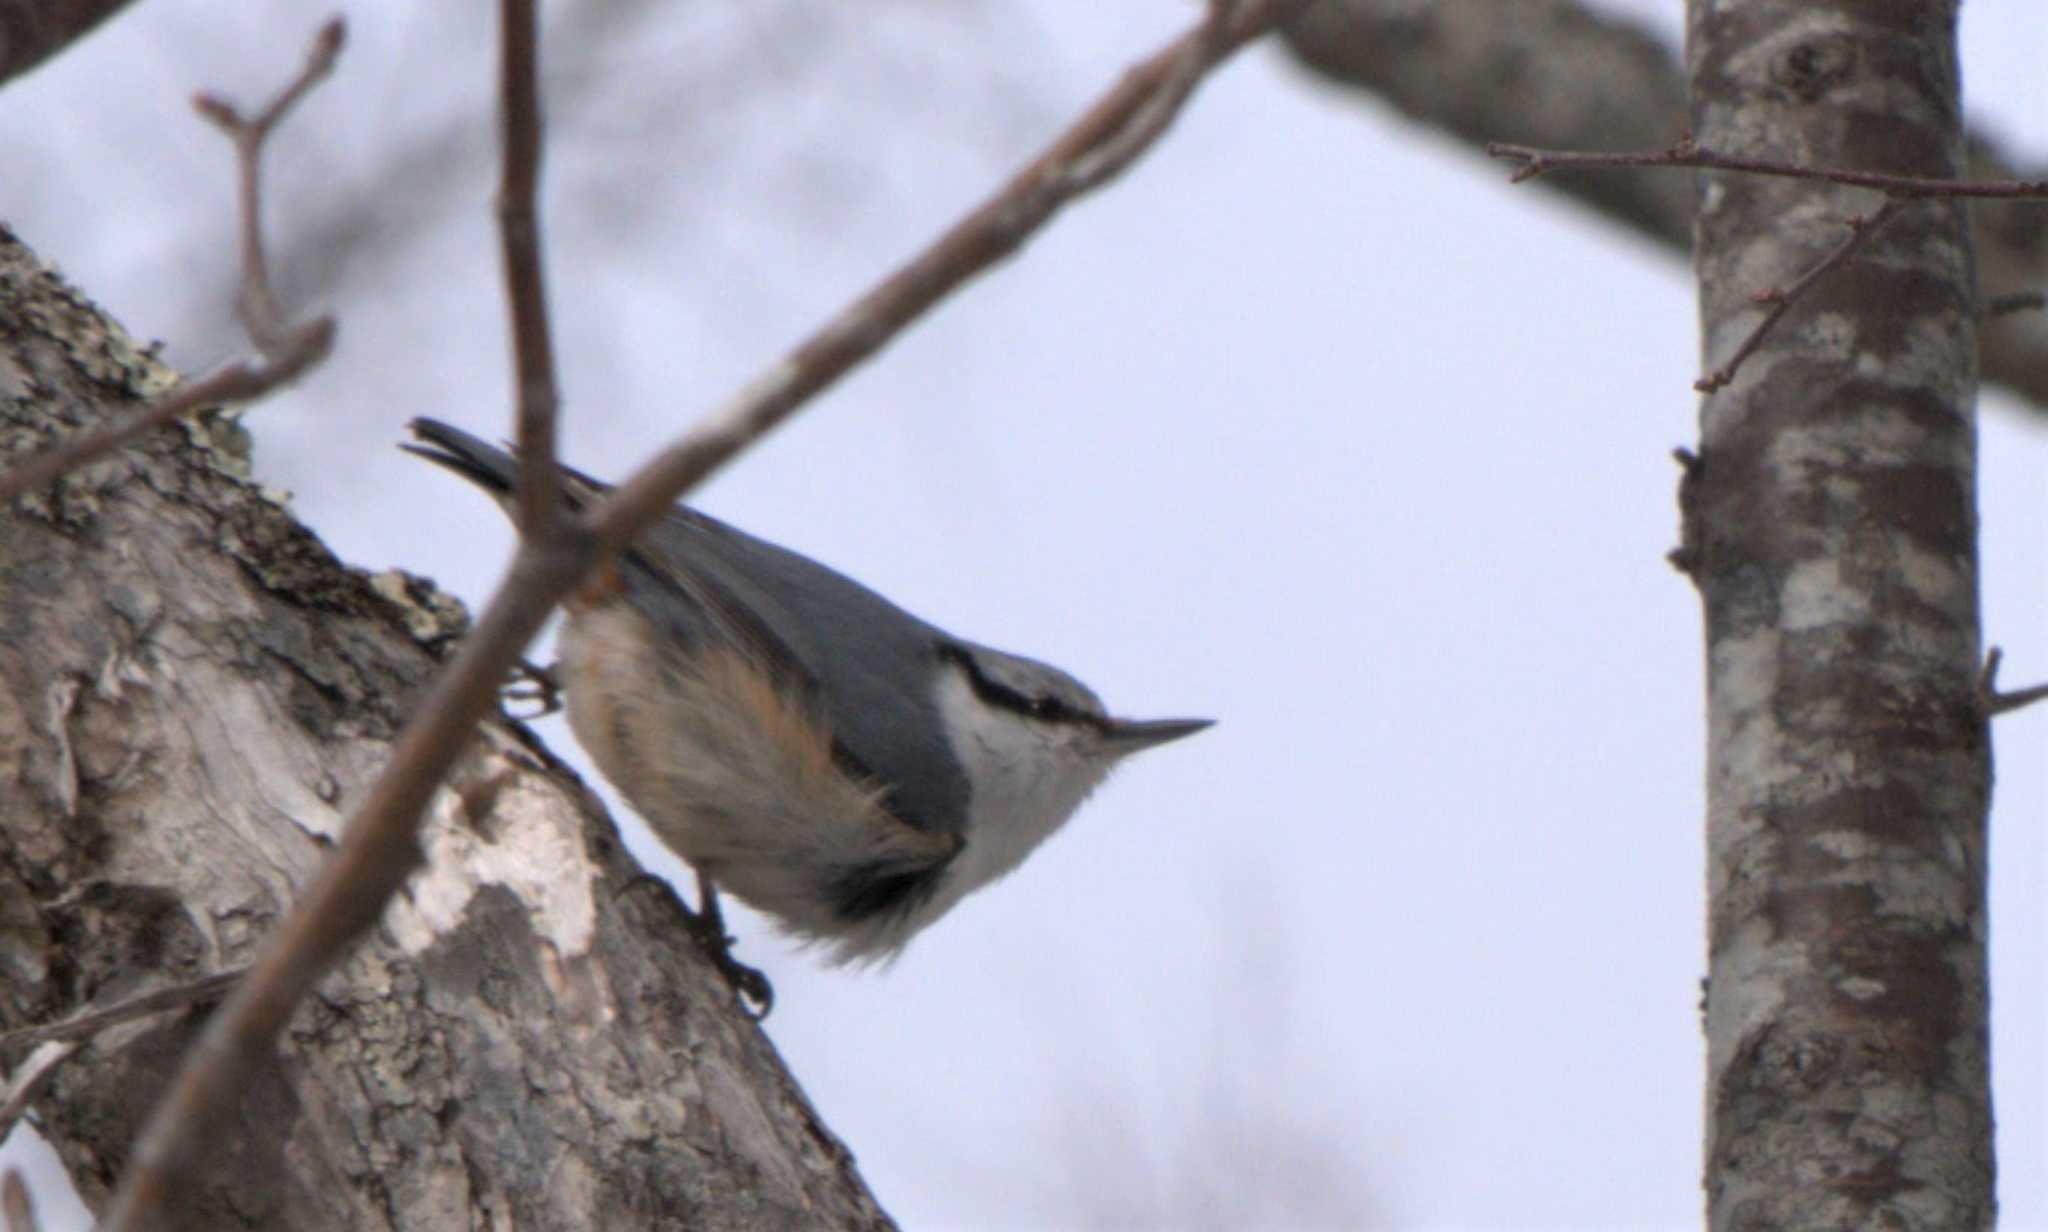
x: 1558, y: 73
x: 192, y: 692
x: 1831, y: 529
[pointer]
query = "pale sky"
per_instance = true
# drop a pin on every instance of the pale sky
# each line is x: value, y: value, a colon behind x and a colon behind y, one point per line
x: 1314, y: 425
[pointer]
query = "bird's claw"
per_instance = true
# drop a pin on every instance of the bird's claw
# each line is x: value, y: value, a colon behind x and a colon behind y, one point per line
x: 531, y: 682
x: 756, y: 994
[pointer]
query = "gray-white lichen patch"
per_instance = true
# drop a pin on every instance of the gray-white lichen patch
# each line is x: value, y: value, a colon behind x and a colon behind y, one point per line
x: 530, y: 844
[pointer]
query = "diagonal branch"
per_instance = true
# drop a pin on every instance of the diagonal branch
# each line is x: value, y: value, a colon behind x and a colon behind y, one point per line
x: 1861, y: 229
x: 92, y: 1022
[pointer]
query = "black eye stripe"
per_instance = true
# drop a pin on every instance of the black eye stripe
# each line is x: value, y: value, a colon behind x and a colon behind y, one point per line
x: 996, y: 693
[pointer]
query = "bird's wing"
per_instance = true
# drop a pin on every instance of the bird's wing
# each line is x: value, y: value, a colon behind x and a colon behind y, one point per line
x: 861, y: 665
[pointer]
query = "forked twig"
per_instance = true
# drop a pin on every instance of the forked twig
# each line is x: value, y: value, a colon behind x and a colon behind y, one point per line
x: 272, y: 336
x: 1995, y: 703
x: 287, y: 351
x: 1861, y: 228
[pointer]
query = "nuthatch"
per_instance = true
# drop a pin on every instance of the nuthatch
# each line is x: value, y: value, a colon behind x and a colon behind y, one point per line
x: 803, y: 742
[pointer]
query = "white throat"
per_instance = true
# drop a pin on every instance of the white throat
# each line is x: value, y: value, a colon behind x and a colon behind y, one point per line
x: 1027, y: 778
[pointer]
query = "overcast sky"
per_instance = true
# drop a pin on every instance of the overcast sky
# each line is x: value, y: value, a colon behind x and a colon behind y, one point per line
x: 1313, y: 425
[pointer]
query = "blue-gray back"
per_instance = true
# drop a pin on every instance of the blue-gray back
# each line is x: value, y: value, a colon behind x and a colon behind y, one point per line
x: 867, y: 665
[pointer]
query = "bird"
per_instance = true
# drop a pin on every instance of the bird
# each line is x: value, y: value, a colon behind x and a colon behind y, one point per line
x: 806, y: 745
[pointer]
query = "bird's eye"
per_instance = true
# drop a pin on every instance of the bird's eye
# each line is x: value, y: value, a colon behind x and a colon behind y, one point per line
x: 1047, y: 707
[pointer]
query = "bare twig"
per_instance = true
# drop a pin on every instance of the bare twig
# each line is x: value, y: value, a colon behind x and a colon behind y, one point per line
x: 236, y: 382
x: 1192, y: 58
x: 539, y: 487
x: 28, y: 1080
x: 2017, y: 301
x: 1995, y: 703
x: 379, y: 845
x: 1685, y: 152
x: 92, y: 1022
x: 58, y: 1040
x: 1861, y: 228
x: 287, y: 351
x: 259, y: 307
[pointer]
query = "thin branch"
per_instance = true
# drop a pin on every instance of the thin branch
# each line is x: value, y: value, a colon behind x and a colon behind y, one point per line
x: 533, y: 352
x: 259, y: 307
x: 1861, y: 228
x: 92, y: 1022
x: 237, y: 382
x: 1687, y: 153
x: 29, y: 1078
x: 1192, y: 59
x: 1994, y: 703
x: 989, y: 233
x: 2016, y: 302
x: 287, y: 350
x: 57, y: 1041
x: 379, y: 846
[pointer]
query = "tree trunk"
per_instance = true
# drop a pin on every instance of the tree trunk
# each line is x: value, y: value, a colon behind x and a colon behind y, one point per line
x: 1831, y: 529
x: 194, y: 692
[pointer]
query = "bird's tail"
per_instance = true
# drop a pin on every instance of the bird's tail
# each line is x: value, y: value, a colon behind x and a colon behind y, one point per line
x: 494, y: 470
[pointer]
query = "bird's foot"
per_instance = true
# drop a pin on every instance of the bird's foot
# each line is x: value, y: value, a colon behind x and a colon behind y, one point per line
x: 536, y: 684
x: 756, y: 994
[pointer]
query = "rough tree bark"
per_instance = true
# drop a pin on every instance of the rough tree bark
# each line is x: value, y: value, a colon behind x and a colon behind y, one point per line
x: 191, y: 692
x: 1831, y: 529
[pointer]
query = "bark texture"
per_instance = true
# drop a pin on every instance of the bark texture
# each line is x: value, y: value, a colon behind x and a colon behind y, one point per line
x: 1831, y: 529
x: 192, y: 691
x: 1554, y: 73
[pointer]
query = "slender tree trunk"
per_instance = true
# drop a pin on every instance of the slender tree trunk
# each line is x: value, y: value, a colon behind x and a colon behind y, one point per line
x: 1831, y: 529
x: 192, y: 693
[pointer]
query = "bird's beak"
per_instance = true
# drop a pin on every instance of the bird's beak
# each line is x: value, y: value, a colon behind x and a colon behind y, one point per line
x: 1127, y: 736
